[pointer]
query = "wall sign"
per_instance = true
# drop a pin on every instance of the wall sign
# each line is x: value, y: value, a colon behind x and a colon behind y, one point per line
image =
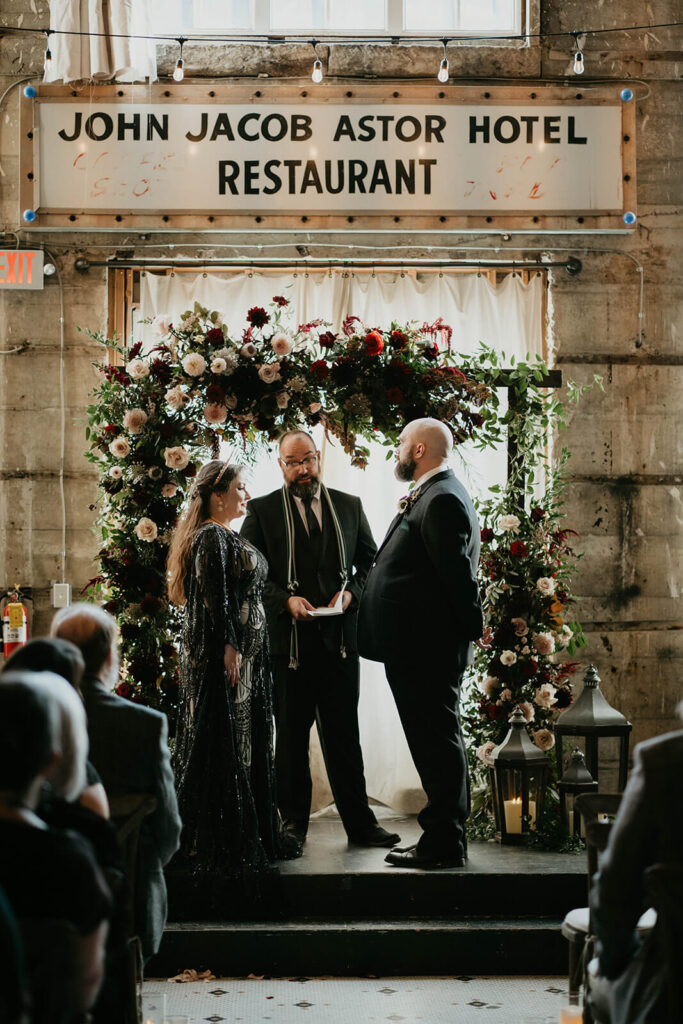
x: 21, y: 269
x: 282, y: 155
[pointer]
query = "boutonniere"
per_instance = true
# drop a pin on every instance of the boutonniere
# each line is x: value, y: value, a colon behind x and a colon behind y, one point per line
x: 407, y: 502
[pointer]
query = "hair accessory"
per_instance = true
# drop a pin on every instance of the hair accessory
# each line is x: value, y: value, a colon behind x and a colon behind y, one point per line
x: 220, y: 475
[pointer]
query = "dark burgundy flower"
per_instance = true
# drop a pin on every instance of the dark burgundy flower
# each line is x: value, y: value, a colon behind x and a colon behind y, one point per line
x: 124, y: 690
x: 562, y: 596
x: 456, y: 376
x: 487, y: 534
x: 144, y: 670
x: 518, y: 548
x: 327, y: 340
x: 395, y: 395
x: 111, y: 428
x: 319, y: 370
x: 431, y: 351
x: 344, y: 370
x: 215, y: 393
x: 258, y: 317
x: 160, y: 369
x: 563, y: 698
x: 529, y: 668
x: 476, y: 419
x: 111, y: 606
x: 398, y: 340
x: 496, y: 712
x: 135, y: 350
x: 128, y: 630
x: 397, y: 372
x: 280, y: 300
x: 374, y: 343
x: 190, y: 470
x: 150, y: 605
x: 166, y: 428
x: 215, y: 336
x: 537, y: 514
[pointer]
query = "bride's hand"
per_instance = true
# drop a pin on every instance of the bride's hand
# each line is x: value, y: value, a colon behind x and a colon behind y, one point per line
x: 232, y: 660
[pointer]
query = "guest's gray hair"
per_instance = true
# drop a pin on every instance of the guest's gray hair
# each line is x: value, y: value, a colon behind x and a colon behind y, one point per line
x: 69, y: 778
x: 91, y: 629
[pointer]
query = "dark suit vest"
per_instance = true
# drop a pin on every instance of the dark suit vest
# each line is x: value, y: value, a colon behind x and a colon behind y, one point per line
x: 309, y: 558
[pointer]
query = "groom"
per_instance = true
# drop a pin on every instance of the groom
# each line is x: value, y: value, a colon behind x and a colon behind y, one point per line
x: 419, y: 612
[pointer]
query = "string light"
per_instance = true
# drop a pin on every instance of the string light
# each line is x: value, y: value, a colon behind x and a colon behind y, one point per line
x: 179, y: 72
x: 443, y: 74
x: 317, y: 74
x: 47, y: 60
x: 578, y: 56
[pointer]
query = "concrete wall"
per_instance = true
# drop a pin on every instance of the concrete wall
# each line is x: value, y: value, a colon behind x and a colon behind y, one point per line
x: 625, y: 498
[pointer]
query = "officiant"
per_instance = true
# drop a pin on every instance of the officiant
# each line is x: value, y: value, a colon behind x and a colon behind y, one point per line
x: 319, y: 549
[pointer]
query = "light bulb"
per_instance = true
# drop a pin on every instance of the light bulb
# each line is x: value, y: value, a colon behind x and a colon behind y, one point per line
x: 179, y: 72
x: 443, y: 71
x: 317, y: 75
x: 578, y: 63
x: 47, y: 62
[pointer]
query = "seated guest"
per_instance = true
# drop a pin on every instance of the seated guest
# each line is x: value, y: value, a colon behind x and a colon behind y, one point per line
x: 128, y: 746
x: 648, y: 830
x: 46, y: 873
x: 50, y: 654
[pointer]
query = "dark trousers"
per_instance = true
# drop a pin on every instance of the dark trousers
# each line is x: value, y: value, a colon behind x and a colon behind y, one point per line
x: 427, y: 695
x: 324, y: 689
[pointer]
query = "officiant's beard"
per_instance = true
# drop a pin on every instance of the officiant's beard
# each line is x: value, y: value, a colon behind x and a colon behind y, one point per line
x: 404, y: 470
x: 304, y: 488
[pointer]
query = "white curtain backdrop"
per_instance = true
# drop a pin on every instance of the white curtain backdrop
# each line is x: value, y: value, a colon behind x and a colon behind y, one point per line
x: 507, y: 316
x: 96, y: 57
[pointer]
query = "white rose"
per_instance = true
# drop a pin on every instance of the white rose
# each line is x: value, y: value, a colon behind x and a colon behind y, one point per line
x: 544, y: 643
x: 520, y: 627
x: 564, y: 637
x: 194, y: 364
x: 508, y: 658
x: 146, y: 529
x: 119, y: 448
x: 488, y: 686
x: 229, y: 358
x: 281, y: 344
x: 116, y: 472
x: 485, y: 751
x: 218, y: 366
x: 162, y: 324
x: 544, y: 739
x: 527, y: 710
x: 177, y: 398
x: 269, y: 372
x: 546, y: 585
x: 314, y: 407
x: 134, y: 420
x: 545, y: 695
x: 176, y: 458
x: 169, y: 490
x: 138, y: 368
x: 509, y: 524
x: 282, y: 400
x: 249, y: 350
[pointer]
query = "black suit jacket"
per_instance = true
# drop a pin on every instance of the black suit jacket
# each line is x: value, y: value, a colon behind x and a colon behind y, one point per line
x: 264, y: 527
x: 129, y: 749
x: 423, y: 580
x: 648, y: 830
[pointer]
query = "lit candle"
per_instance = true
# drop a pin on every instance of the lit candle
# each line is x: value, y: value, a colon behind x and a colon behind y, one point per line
x: 571, y: 1015
x: 513, y: 815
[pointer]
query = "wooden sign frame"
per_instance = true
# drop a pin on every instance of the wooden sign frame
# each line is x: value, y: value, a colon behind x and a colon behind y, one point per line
x: 387, y: 93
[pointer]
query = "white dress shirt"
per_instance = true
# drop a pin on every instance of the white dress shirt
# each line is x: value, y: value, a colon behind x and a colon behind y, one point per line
x: 316, y: 505
x: 428, y: 475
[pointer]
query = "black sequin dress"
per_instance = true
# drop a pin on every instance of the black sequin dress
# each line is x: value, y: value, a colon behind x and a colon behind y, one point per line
x: 224, y: 747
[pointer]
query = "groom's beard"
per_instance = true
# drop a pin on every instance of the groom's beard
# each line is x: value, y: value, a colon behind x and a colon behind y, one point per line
x: 304, y: 488
x: 404, y: 470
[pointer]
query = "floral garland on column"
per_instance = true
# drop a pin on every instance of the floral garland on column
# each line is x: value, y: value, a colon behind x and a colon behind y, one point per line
x: 155, y: 418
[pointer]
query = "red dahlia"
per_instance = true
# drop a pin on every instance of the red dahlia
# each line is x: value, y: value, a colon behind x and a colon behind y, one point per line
x: 280, y: 300
x: 519, y: 548
x: 257, y: 316
x: 319, y: 369
x: 486, y: 534
x: 215, y: 336
x: 395, y: 395
x: 398, y: 340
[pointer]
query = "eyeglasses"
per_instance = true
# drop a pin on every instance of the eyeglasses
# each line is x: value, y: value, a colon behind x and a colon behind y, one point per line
x: 309, y: 461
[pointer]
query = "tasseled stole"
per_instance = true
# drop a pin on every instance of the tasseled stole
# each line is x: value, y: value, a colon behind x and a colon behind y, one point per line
x: 292, y: 582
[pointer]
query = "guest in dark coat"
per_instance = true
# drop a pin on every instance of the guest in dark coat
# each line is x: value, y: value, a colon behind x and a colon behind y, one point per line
x: 419, y: 612
x: 129, y: 749
x: 648, y: 830
x: 317, y: 543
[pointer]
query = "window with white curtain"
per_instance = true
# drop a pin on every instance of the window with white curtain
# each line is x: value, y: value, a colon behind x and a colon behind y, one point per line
x: 397, y: 17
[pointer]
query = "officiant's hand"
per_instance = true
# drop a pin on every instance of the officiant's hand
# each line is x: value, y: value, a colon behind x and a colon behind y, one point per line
x: 299, y: 607
x: 232, y: 660
x: 346, y: 600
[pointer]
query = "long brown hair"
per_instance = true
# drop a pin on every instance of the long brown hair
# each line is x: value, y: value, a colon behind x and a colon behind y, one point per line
x: 206, y: 483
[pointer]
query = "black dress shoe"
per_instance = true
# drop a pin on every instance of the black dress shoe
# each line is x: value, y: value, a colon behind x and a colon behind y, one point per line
x: 375, y: 836
x: 298, y: 829
x: 412, y: 859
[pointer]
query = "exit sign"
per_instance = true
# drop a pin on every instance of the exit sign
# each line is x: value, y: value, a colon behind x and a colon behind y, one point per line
x: 21, y: 268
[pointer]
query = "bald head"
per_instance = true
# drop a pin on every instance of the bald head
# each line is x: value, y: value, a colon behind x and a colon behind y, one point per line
x: 92, y: 630
x: 424, y: 444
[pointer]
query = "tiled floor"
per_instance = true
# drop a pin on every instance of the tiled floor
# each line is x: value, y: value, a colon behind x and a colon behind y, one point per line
x: 528, y: 1000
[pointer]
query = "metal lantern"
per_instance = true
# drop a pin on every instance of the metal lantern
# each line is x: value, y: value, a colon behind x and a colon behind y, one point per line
x: 575, y: 781
x: 519, y: 776
x: 591, y: 717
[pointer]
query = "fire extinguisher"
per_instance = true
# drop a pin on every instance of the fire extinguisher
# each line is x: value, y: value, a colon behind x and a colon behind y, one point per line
x: 14, y: 624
